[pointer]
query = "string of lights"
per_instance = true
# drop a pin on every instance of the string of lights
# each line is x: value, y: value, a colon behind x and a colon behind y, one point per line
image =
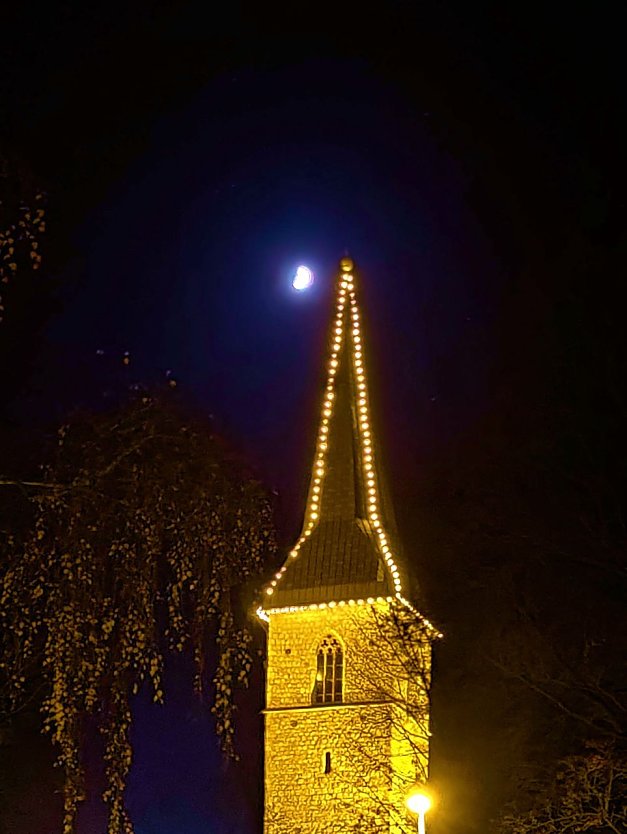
x: 346, y: 327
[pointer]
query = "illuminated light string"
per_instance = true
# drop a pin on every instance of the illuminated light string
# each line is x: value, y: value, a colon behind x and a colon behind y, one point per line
x: 346, y: 297
x: 263, y: 613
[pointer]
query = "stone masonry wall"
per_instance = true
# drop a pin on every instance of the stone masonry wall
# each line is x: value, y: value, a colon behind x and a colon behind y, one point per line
x: 372, y: 762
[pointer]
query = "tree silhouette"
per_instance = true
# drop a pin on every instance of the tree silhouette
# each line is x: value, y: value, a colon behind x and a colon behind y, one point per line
x: 143, y: 531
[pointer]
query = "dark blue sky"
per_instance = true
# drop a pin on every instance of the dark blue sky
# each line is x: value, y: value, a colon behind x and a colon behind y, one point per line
x: 192, y: 161
x: 188, y: 258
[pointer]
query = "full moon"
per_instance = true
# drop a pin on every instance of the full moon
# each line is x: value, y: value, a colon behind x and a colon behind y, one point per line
x: 303, y: 278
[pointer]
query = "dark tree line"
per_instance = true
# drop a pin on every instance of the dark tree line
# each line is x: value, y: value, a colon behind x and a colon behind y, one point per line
x: 528, y: 528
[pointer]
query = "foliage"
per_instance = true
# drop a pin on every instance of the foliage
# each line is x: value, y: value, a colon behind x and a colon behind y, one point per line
x: 22, y: 223
x: 397, y: 675
x: 144, y: 531
x: 588, y: 793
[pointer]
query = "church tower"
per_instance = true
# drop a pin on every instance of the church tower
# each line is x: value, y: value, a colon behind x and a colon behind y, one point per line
x: 348, y: 664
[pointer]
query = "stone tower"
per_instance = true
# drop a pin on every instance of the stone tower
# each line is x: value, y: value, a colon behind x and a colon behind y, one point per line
x: 348, y: 666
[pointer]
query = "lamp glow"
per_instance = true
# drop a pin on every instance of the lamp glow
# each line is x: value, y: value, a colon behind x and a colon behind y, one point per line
x: 303, y: 278
x: 418, y: 802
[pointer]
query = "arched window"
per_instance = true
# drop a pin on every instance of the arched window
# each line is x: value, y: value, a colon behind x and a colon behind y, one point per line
x: 329, y: 672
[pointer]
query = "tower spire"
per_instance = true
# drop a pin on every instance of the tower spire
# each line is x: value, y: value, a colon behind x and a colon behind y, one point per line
x: 344, y: 554
x: 347, y: 706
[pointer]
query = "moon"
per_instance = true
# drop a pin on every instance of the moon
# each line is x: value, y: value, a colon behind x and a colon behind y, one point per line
x: 303, y: 278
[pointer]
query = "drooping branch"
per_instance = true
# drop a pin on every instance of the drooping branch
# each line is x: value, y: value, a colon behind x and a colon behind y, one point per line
x: 143, y: 552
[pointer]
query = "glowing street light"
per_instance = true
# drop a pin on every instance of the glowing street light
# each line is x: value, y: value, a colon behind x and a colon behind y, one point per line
x: 418, y: 803
x: 303, y: 278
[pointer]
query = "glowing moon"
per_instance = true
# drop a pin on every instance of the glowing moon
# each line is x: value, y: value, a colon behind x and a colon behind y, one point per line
x: 303, y: 278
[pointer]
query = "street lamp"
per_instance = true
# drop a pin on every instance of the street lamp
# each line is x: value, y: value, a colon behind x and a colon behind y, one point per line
x: 418, y: 803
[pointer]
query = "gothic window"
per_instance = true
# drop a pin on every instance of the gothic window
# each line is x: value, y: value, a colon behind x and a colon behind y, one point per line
x: 329, y: 672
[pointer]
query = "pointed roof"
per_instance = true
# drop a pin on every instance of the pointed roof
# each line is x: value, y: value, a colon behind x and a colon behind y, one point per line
x: 347, y: 550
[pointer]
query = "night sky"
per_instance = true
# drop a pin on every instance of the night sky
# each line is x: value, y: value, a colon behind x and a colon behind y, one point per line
x: 464, y: 155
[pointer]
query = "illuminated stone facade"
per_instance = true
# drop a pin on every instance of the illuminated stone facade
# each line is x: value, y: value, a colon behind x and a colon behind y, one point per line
x: 346, y: 719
